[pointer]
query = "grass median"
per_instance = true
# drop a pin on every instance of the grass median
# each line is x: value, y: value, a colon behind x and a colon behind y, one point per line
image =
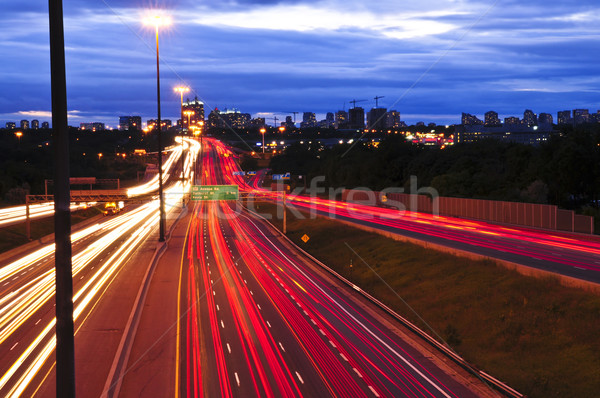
x: 534, y: 334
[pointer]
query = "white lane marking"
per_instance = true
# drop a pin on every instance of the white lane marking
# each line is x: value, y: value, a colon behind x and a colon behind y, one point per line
x: 245, y: 281
x: 237, y: 379
x: 322, y: 332
x: 305, y: 313
x: 299, y: 377
x: 583, y: 269
x: 332, y: 344
x: 258, y: 305
x: 214, y: 293
x: 228, y: 348
x: 373, y: 391
x: 218, y: 309
x: 11, y: 348
x: 357, y: 372
x: 268, y: 324
x: 354, y: 319
x: 313, y: 321
x: 280, y: 345
x: 222, y: 324
x: 343, y: 357
x: 211, y: 282
x: 251, y: 292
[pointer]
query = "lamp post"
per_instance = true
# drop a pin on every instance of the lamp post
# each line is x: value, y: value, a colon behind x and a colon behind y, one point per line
x: 263, y: 131
x: 159, y: 21
x: 181, y: 90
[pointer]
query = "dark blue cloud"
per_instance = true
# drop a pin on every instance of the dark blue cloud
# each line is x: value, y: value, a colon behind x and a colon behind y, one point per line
x: 538, y: 55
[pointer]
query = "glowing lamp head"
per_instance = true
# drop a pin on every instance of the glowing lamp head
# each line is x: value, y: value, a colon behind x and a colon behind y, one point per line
x: 157, y: 20
x: 182, y: 89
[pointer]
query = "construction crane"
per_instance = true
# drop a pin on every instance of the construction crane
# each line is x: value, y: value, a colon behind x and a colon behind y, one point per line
x: 355, y: 101
x: 377, y: 100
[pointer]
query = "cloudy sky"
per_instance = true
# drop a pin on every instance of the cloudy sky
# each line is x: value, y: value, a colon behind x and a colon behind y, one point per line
x: 430, y: 59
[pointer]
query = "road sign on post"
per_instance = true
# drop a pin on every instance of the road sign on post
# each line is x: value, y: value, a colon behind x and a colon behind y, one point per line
x: 215, y: 192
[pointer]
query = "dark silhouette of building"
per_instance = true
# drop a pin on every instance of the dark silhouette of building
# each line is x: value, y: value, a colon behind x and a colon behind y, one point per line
x: 356, y: 118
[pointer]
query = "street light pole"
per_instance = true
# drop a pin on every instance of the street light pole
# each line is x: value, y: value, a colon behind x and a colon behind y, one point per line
x: 65, y: 336
x: 157, y: 21
x: 263, y: 131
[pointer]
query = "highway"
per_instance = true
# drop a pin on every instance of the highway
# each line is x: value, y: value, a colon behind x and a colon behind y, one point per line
x: 576, y: 256
x: 255, y: 319
x: 100, y: 252
x: 233, y: 310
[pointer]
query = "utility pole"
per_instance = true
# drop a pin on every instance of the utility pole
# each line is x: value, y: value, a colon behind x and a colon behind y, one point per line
x: 65, y: 339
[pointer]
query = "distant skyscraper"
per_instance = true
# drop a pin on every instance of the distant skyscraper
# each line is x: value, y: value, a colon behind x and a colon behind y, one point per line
x: 130, y: 123
x: 392, y: 119
x: 376, y: 118
x: 468, y: 119
x: 197, y: 107
x: 564, y: 117
x: 529, y: 118
x: 329, y: 119
x: 356, y: 118
x: 289, y: 122
x: 491, y: 119
x: 511, y: 121
x: 45, y: 125
x: 24, y: 124
x: 35, y: 124
x: 341, y: 119
x: 10, y: 125
x: 545, y: 118
x: 308, y: 120
x: 581, y: 116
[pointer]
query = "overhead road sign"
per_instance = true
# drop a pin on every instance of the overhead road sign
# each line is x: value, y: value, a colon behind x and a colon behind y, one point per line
x: 239, y: 173
x: 215, y: 192
x: 251, y: 173
x: 285, y: 176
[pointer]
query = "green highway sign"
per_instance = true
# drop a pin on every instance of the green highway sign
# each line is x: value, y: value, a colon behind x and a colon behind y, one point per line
x: 215, y: 192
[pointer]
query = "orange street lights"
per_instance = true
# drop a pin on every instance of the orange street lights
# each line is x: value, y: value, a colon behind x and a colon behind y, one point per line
x: 19, y: 134
x: 188, y: 114
x: 263, y: 131
x: 157, y: 21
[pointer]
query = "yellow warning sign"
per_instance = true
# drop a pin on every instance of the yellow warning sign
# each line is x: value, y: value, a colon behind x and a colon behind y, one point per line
x: 305, y: 238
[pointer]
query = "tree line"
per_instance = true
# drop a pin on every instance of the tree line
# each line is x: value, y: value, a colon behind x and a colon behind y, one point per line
x: 564, y: 171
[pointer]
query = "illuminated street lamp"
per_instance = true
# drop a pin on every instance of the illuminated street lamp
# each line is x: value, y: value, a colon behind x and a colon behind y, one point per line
x: 158, y: 21
x: 263, y: 131
x: 188, y: 114
x: 19, y: 134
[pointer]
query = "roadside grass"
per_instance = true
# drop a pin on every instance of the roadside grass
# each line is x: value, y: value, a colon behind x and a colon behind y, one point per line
x: 538, y: 336
x: 16, y: 235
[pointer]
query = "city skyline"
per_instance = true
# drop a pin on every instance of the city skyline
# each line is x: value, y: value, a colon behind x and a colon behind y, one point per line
x: 431, y: 61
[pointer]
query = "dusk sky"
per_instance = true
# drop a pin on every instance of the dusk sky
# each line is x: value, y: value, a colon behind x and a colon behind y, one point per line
x: 430, y: 59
